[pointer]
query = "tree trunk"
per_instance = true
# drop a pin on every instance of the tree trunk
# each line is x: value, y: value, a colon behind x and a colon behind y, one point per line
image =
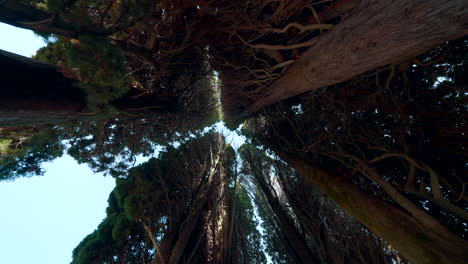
x: 375, y: 33
x: 27, y: 112
x: 18, y: 14
x: 33, y: 92
x: 186, y: 230
x: 295, y: 240
x: 154, y: 241
x: 415, y: 241
x: 197, y: 207
x: 231, y: 221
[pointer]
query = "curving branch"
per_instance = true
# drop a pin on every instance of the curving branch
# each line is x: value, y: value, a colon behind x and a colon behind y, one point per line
x: 153, y: 240
x: 416, y: 241
x: 437, y: 196
x: 373, y: 34
x: 277, y: 47
x: 302, y: 28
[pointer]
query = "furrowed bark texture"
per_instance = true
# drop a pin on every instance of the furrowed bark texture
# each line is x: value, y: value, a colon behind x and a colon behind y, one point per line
x: 375, y: 33
x: 413, y: 240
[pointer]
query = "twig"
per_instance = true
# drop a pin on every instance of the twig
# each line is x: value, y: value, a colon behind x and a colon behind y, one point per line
x: 302, y: 28
x: 277, y: 47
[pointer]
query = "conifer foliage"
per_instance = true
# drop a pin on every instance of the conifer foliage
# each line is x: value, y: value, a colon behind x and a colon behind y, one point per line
x: 340, y: 100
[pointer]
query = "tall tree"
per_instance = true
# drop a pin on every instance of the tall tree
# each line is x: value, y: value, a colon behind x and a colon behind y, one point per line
x: 169, y: 206
x: 371, y: 35
x: 45, y: 95
x: 257, y: 166
x: 395, y: 134
x: 245, y: 239
x: 414, y: 240
x: 71, y: 18
x: 109, y: 49
x: 390, y: 140
x: 308, y: 220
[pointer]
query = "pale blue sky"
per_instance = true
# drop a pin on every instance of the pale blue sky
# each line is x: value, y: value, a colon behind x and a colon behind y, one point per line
x: 43, y: 218
x: 19, y: 41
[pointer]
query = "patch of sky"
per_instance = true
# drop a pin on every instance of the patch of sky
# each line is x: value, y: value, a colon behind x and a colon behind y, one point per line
x: 259, y: 221
x: 425, y: 205
x: 56, y: 211
x: 297, y: 109
x: 53, y: 212
x: 233, y: 137
x: 20, y: 41
x: 441, y: 79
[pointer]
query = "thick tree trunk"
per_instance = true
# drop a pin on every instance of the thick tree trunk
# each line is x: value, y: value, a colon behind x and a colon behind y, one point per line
x: 413, y: 240
x: 18, y: 14
x: 197, y: 207
x: 186, y: 230
x: 228, y: 240
x: 33, y: 92
x: 221, y: 203
x: 29, y: 111
x: 296, y: 241
x: 375, y: 33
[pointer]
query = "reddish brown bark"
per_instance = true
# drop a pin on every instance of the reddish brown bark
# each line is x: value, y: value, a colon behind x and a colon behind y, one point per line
x: 412, y: 238
x: 373, y: 34
x: 17, y: 112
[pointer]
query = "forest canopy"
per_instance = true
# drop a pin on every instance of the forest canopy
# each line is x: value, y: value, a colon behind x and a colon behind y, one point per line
x: 354, y: 114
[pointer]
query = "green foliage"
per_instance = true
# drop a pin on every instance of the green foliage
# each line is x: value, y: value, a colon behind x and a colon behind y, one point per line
x: 102, y: 68
x: 97, y: 246
x: 113, y: 238
x: 230, y: 163
x: 23, y: 150
x: 111, y: 145
x: 146, y: 195
x: 54, y: 52
x: 54, y: 6
x: 122, y: 230
x: 140, y: 191
x: 120, y: 235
